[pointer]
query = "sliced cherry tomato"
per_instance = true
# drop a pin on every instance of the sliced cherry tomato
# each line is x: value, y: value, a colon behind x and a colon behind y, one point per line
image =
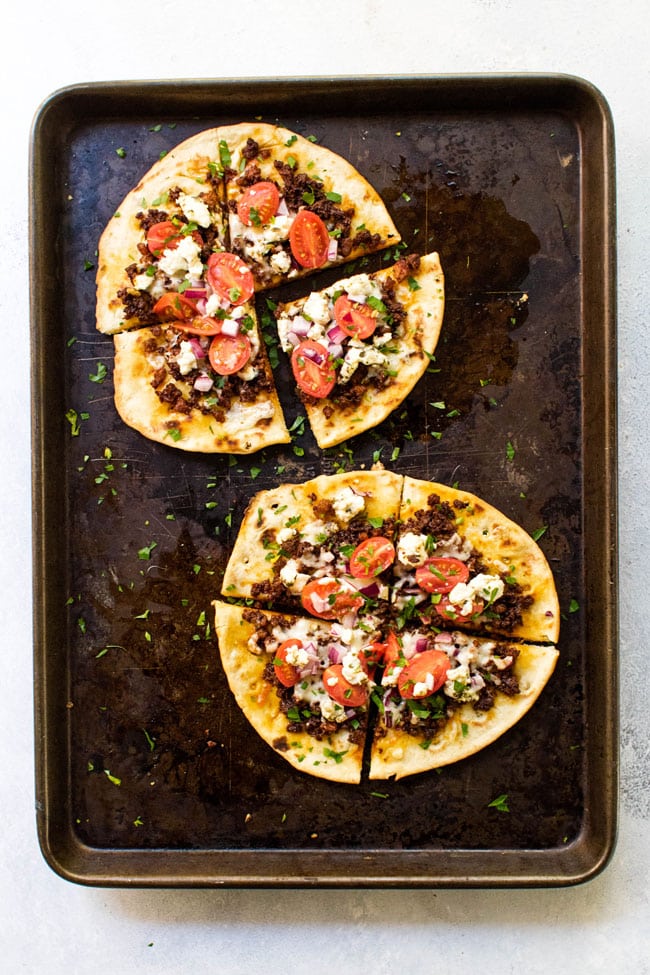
x: 258, y: 204
x: 175, y: 307
x: 229, y: 277
x: 393, y: 653
x: 163, y: 236
x: 371, y: 656
x: 451, y: 611
x: 332, y: 602
x: 356, y: 320
x: 287, y: 674
x: 313, y: 369
x: 202, y: 325
x: 341, y: 690
x: 309, y: 239
x: 441, y: 574
x: 229, y: 353
x: 371, y: 558
x: 428, y: 668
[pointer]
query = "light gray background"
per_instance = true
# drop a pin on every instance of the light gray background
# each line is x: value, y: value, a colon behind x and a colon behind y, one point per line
x: 50, y: 926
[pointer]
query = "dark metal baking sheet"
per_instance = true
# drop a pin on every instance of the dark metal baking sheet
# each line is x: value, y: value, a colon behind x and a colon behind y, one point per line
x: 146, y: 772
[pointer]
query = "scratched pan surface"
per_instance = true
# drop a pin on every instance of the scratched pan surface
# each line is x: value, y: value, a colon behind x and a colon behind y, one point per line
x: 147, y: 772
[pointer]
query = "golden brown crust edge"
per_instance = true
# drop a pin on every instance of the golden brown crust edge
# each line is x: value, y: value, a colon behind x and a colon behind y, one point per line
x: 258, y: 701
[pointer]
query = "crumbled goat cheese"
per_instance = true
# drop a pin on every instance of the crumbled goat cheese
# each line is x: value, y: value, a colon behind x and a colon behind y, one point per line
x: 485, y: 587
x: 194, y: 209
x: 317, y: 308
x: 353, y: 671
x: 186, y: 360
x: 182, y: 260
x: 357, y: 354
x: 280, y: 262
x: 412, y: 549
x: 347, y: 503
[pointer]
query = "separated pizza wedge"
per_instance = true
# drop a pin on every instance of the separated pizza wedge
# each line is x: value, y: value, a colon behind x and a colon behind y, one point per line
x: 359, y: 347
x: 322, y: 547
x: 461, y: 563
x: 445, y: 695
x: 200, y: 384
x: 303, y: 684
x: 162, y: 235
x: 295, y: 207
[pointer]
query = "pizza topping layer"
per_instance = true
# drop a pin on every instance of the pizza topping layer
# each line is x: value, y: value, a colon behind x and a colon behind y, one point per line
x: 332, y: 334
x: 428, y: 673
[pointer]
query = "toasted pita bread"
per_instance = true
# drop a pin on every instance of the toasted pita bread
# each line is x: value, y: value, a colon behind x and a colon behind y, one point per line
x: 333, y: 755
x: 291, y: 507
x: 396, y: 753
x: 505, y: 549
x: 329, y: 185
x: 242, y: 427
x: 396, y: 360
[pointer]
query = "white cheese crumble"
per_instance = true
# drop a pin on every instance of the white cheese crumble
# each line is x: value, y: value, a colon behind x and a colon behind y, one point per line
x: 316, y: 532
x: 280, y: 262
x: 355, y: 355
x: 347, y: 503
x: 296, y: 656
x: 358, y: 288
x: 194, y: 209
x: 412, y: 549
x: 353, y: 671
x: 186, y: 360
x: 185, y: 259
x: 291, y: 577
x: 485, y: 587
x: 317, y: 308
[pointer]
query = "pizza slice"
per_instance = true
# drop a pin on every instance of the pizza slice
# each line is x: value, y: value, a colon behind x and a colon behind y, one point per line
x: 295, y: 207
x: 162, y: 236
x: 303, y: 684
x: 323, y: 547
x: 462, y: 564
x: 445, y: 695
x: 359, y: 347
x: 200, y: 384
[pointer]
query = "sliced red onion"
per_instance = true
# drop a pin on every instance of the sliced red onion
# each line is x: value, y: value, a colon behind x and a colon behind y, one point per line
x: 203, y: 383
x: 230, y: 326
x: 195, y: 293
x: 332, y: 249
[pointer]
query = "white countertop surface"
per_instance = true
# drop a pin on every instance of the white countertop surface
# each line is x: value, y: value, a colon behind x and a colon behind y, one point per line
x: 49, y: 925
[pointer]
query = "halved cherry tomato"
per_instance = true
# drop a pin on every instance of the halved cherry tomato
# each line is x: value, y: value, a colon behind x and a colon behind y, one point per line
x: 356, y: 320
x: 258, y: 204
x: 174, y: 306
x: 229, y: 277
x: 163, y: 236
x: 441, y: 574
x: 371, y: 656
x: 312, y: 368
x: 229, y: 353
x: 201, y: 325
x: 309, y: 239
x: 341, y: 690
x: 287, y: 674
x: 432, y: 664
x: 332, y: 601
x: 393, y: 654
x: 451, y: 611
x: 371, y: 558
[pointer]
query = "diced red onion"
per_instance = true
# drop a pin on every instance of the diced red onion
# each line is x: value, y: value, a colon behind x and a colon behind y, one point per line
x: 336, y: 351
x: 335, y: 653
x: 300, y: 326
x: 444, y: 637
x: 195, y: 293
x: 332, y: 249
x: 203, y: 383
x: 336, y: 334
x: 314, y: 356
x: 197, y: 348
x: 421, y: 644
x: 230, y: 326
x: 320, y: 605
x: 283, y: 209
